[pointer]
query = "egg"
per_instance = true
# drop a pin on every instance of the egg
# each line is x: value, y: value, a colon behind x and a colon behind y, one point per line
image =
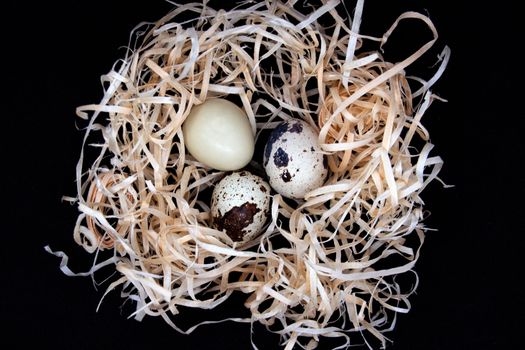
x: 293, y: 160
x: 218, y: 134
x: 240, y: 205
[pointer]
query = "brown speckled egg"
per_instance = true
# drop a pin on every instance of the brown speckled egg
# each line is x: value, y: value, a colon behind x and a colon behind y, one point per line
x: 240, y: 205
x: 293, y: 160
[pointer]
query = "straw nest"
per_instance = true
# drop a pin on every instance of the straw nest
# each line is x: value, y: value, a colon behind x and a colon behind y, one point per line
x: 324, y: 266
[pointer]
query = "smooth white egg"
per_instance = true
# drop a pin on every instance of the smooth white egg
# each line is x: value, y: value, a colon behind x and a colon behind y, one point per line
x: 240, y: 205
x: 218, y: 134
x: 293, y: 160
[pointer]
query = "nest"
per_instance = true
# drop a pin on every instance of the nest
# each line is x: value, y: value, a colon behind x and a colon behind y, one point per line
x: 325, y: 265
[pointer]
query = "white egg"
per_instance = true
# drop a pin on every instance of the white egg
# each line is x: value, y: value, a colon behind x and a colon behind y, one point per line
x: 218, y: 134
x: 240, y: 205
x: 293, y: 160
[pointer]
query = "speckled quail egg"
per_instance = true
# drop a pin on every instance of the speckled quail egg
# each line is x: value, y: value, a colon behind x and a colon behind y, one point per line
x: 293, y: 160
x: 240, y: 205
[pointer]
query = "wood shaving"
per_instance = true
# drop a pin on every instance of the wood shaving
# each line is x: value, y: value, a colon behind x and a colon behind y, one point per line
x: 325, y: 266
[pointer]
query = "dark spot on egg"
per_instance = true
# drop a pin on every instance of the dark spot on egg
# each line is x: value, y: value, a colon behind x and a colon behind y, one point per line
x: 274, y: 136
x: 236, y: 220
x: 263, y: 189
x: 286, y: 176
x: 312, y: 149
x: 296, y: 128
x: 280, y: 158
x: 325, y: 162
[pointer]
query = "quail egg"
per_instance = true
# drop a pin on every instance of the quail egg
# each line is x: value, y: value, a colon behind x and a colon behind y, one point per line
x: 240, y: 205
x: 293, y: 160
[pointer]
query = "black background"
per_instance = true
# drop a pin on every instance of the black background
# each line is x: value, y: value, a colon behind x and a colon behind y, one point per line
x: 470, y: 294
